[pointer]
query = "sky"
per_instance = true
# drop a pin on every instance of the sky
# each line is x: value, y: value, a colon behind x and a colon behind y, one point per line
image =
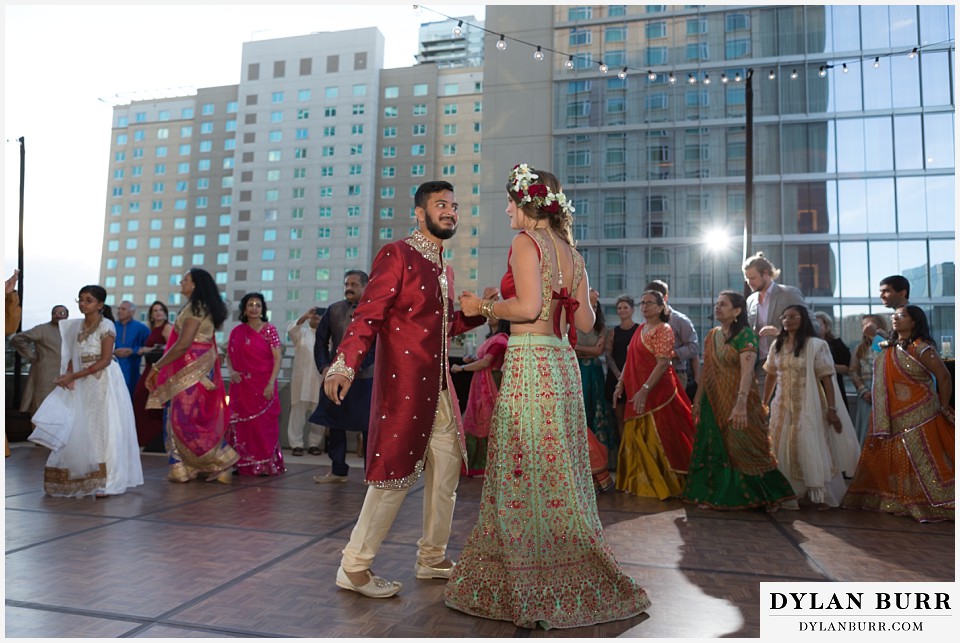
x: 64, y: 64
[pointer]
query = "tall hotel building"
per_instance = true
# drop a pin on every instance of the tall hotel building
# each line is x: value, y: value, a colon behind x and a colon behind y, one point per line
x: 307, y: 167
x: 854, y: 169
x: 301, y: 172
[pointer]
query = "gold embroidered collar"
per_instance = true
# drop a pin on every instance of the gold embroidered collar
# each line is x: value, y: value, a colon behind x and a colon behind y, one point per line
x: 429, y: 249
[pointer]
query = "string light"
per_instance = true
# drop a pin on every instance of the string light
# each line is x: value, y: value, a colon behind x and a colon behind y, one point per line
x: 692, y: 78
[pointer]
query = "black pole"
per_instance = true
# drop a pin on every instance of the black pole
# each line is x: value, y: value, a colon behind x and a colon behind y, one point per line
x: 17, y: 362
x: 748, y: 183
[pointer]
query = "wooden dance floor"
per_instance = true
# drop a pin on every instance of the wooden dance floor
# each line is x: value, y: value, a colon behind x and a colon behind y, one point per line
x: 258, y: 558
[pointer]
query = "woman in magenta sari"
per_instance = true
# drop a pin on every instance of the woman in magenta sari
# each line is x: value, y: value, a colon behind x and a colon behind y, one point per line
x: 187, y: 380
x: 253, y: 354
x: 484, y: 386
x: 658, y: 432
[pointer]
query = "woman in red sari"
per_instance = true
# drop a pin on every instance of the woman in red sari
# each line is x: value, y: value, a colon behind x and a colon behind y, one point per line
x: 253, y: 354
x: 187, y: 380
x: 150, y: 421
x: 658, y: 430
x: 907, y: 463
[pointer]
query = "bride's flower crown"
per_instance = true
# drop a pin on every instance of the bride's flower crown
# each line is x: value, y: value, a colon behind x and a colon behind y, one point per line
x: 522, y: 181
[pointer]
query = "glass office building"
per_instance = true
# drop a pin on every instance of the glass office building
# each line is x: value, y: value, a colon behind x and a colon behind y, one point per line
x: 853, y: 151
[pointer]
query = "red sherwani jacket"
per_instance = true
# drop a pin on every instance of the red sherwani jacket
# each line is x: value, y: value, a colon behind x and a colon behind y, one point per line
x: 408, y: 308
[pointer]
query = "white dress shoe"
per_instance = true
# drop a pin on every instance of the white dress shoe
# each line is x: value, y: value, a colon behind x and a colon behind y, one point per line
x: 376, y: 587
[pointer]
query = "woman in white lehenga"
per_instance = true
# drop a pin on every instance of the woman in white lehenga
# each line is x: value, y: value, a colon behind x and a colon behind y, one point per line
x: 88, y: 420
x: 813, y: 436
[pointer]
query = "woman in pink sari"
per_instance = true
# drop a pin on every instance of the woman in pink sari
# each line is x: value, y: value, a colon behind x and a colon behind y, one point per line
x: 484, y: 386
x: 253, y: 354
x: 658, y: 432
x: 186, y: 382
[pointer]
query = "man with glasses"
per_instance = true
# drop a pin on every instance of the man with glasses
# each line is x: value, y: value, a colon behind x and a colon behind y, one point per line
x: 131, y: 336
x: 41, y: 347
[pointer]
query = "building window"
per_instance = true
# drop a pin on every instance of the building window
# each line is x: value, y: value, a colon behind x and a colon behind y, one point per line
x: 450, y: 109
x: 386, y: 234
x: 420, y: 109
x: 417, y: 170
x: 450, y: 129
x: 419, y: 129
x: 356, y: 130
x: 580, y: 37
x: 418, y: 150
x: 389, y: 132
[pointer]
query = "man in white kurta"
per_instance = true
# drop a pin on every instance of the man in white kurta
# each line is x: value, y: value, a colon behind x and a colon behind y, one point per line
x: 304, y: 385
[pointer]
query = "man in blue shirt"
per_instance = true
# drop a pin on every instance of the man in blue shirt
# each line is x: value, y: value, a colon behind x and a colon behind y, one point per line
x: 131, y: 335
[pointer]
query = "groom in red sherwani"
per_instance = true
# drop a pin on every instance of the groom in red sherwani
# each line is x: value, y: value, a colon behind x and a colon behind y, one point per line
x: 415, y: 421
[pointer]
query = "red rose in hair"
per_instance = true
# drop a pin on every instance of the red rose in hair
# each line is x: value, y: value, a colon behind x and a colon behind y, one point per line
x: 537, y: 190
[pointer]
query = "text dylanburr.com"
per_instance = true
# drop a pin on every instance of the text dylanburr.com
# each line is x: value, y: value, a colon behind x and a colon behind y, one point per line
x: 914, y: 610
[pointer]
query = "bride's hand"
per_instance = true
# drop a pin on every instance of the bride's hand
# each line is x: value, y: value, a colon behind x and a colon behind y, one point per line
x: 469, y: 303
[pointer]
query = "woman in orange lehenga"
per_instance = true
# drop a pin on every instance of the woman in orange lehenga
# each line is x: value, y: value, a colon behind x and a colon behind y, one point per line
x: 907, y: 463
x: 658, y: 432
x: 187, y: 380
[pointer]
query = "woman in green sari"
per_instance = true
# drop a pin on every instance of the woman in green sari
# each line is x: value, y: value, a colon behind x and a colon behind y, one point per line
x: 732, y: 465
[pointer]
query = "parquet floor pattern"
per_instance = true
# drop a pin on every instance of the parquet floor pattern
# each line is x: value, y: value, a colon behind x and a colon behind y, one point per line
x: 258, y: 557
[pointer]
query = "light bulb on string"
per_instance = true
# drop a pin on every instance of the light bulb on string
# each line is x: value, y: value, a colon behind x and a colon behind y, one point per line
x: 912, y: 54
x: 538, y: 54
x: 458, y: 30
x: 623, y: 74
x: 501, y: 44
x: 603, y: 67
x: 845, y: 68
x: 793, y: 75
x: 772, y: 75
x: 736, y: 77
x: 651, y: 75
x: 706, y: 79
x: 876, y: 62
x: 691, y: 79
x: 417, y: 11
x: 822, y: 72
x: 723, y: 78
x: 569, y: 63
x: 671, y: 78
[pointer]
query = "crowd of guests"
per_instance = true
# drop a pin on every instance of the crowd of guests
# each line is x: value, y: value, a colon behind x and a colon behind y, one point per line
x: 767, y: 427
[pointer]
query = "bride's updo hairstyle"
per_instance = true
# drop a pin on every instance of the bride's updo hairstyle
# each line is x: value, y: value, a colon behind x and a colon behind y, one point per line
x: 539, y: 195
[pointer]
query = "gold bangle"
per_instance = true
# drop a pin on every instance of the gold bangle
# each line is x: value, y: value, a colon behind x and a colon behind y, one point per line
x: 486, y: 308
